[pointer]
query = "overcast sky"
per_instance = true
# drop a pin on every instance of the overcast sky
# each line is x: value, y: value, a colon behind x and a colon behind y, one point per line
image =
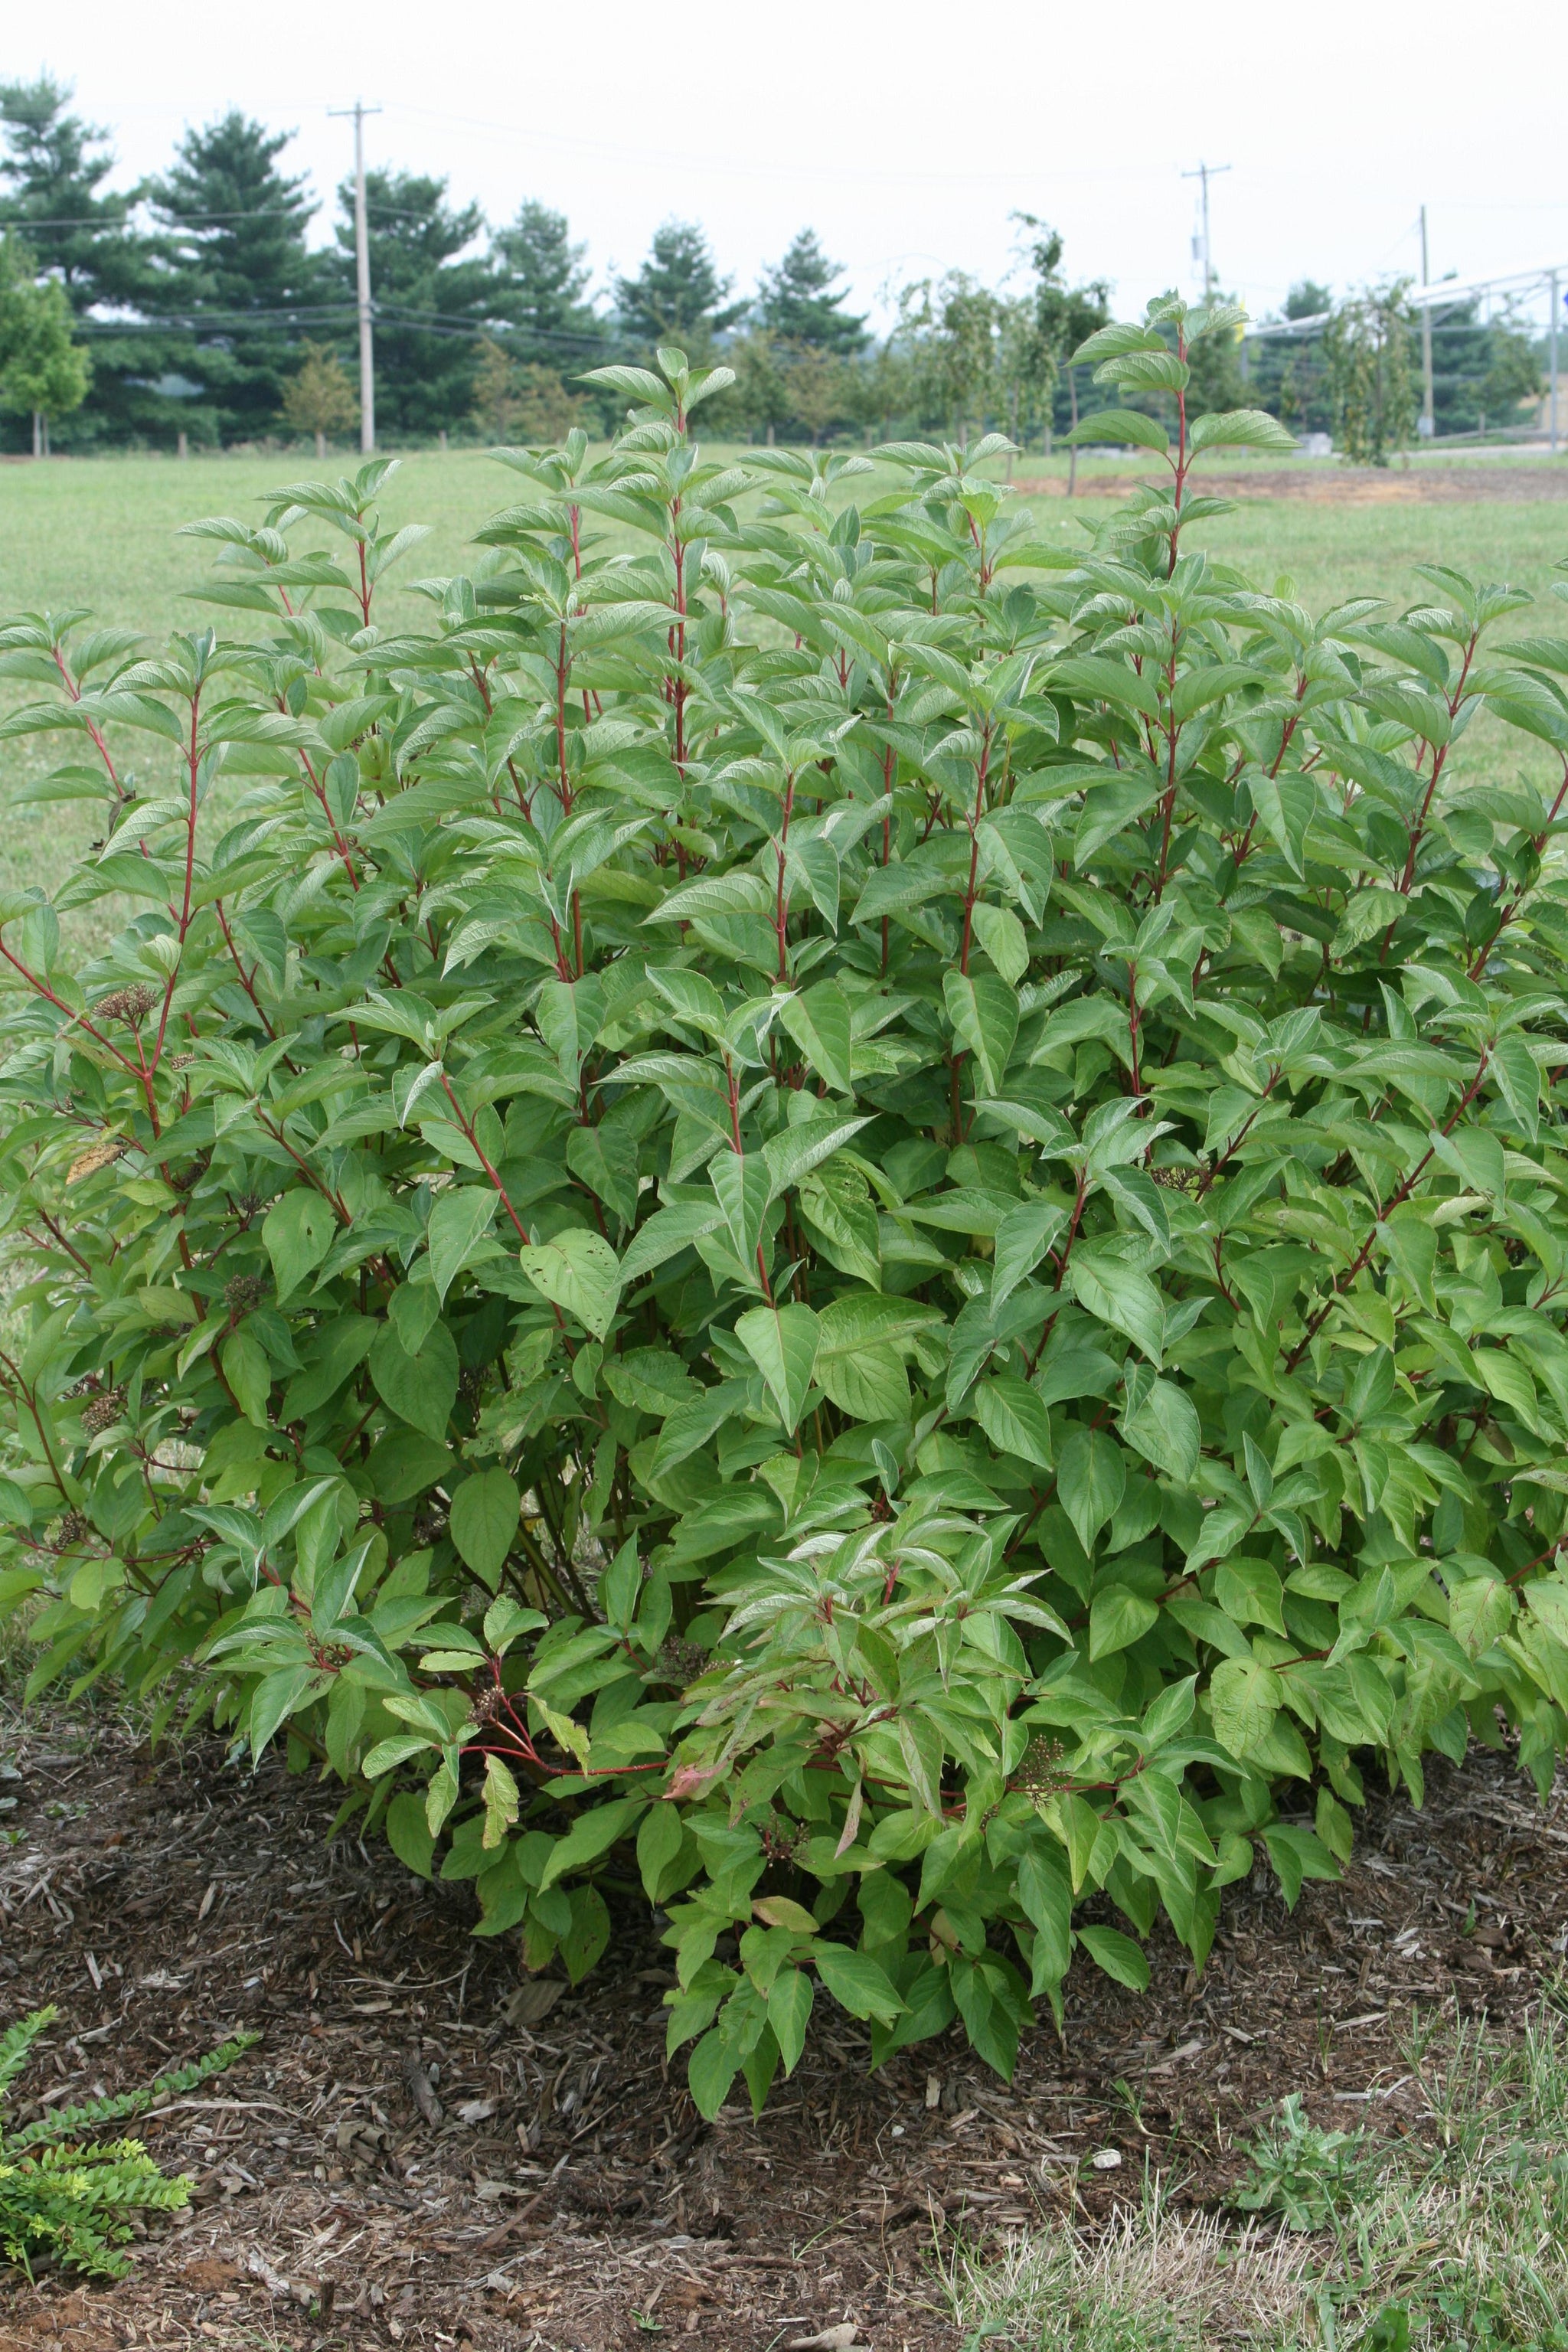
x: 903, y: 131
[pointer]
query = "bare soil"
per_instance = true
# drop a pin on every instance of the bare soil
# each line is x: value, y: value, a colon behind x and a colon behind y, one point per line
x: 405, y: 2158
x: 1326, y: 484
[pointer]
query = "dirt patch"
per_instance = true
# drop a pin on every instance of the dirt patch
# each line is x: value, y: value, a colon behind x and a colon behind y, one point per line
x: 1352, y: 486
x: 401, y: 2162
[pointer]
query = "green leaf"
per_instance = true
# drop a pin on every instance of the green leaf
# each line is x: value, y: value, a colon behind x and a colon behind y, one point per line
x: 298, y: 1231
x: 1046, y: 1897
x: 795, y: 1152
x: 459, y: 1222
x: 1119, y: 1295
x: 985, y: 1015
x: 586, y: 1937
x: 867, y: 1382
x: 591, y: 1835
x: 502, y: 1799
x: 388, y: 1753
x: 276, y: 1697
x: 606, y: 1158
x: 857, y: 1982
x: 484, y: 1519
x: 1286, y: 805
x: 578, y: 1271
x: 1091, y: 1478
x: 666, y: 1233
x: 1518, y: 1077
x: 1117, y: 1617
x: 659, y: 1839
x: 1014, y: 1418
x: 742, y: 1185
x: 249, y: 1375
x: 1296, y: 1855
x: 819, y: 1020
x: 711, y: 2069
x: 788, y: 2004
x: 1164, y: 1429
x: 782, y: 1341
x: 1111, y: 426
x: 1117, y: 1955
x: 1001, y: 934
x: 421, y: 1389
x: 1023, y: 1238
x: 409, y: 1833
x: 1241, y: 428
x: 1244, y: 1697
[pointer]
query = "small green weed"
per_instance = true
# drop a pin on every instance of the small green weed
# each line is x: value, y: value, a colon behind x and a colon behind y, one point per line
x: 66, y: 2201
x: 1304, y: 2173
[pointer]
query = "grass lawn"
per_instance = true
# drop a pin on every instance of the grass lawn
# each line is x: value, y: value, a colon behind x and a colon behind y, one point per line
x: 1446, y: 2233
x: 104, y: 533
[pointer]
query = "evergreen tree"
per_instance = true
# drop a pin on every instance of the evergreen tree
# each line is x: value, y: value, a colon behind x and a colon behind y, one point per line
x: 794, y: 301
x: 543, y: 286
x: 1288, y: 374
x: 677, y: 294
x: 52, y: 170
x: 1480, y: 372
x: 239, y: 270
x: 431, y: 306
x: 1215, y: 385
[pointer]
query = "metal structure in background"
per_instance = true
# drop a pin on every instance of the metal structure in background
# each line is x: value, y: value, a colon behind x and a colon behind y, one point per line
x: 1428, y: 424
x: 362, y: 273
x: 1205, y: 172
x: 1428, y: 299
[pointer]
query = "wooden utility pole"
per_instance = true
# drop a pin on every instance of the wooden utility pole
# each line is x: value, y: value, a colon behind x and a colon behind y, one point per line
x: 1205, y: 172
x: 361, y: 271
x: 1429, y: 418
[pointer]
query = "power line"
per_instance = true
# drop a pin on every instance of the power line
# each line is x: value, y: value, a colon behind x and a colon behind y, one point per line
x: 21, y: 220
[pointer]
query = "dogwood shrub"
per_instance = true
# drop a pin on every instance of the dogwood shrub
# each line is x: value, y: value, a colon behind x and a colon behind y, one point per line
x: 815, y: 1201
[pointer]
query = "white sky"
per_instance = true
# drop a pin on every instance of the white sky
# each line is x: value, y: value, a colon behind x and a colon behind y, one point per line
x: 903, y: 131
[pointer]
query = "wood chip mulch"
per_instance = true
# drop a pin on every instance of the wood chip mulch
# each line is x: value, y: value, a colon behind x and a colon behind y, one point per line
x: 419, y: 2152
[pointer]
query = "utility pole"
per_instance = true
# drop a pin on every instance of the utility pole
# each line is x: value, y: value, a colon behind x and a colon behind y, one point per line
x: 361, y: 271
x: 1428, y: 419
x: 1553, y: 363
x: 1205, y: 172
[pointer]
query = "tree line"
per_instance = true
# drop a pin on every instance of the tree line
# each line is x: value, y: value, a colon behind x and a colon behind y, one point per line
x: 192, y: 305
x: 191, y: 308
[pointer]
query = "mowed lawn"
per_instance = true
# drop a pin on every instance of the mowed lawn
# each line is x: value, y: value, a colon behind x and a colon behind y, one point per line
x: 104, y: 534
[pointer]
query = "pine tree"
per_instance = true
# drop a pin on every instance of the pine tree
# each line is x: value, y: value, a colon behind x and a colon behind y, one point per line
x: 794, y: 301
x: 676, y: 297
x: 240, y: 274
x: 1215, y: 385
x: 431, y: 306
x: 541, y: 285
x: 52, y: 168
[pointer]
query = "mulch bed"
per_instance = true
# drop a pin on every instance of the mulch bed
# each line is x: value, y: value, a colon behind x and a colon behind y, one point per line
x: 1326, y: 483
x: 404, y: 2160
